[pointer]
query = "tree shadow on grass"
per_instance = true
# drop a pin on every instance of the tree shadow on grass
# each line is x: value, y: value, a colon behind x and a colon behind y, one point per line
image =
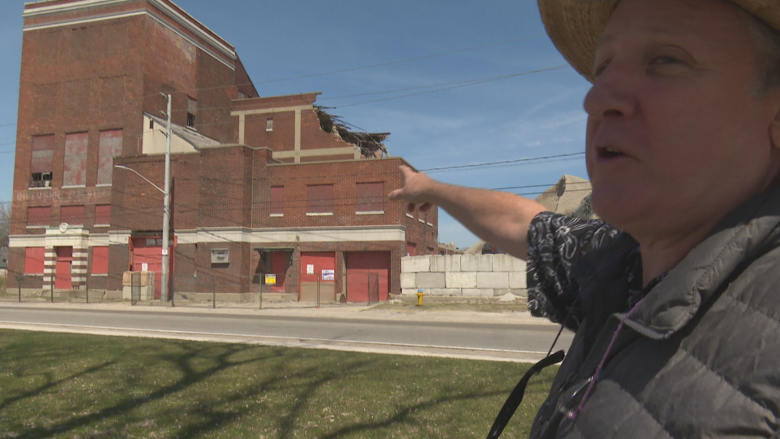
x: 51, y: 384
x: 404, y: 415
x: 128, y: 404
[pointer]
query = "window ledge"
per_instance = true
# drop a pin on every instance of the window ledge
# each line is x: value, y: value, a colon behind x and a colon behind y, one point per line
x: 409, y: 215
x: 36, y: 227
x: 430, y: 224
x: 371, y: 212
x: 319, y: 214
x: 99, y: 275
x: 421, y: 220
x: 277, y: 215
x: 103, y: 185
x: 33, y: 275
x: 74, y: 187
x: 102, y: 225
x: 39, y: 188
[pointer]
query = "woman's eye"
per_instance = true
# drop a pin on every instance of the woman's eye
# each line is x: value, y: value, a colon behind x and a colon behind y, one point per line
x: 666, y: 60
x: 600, y: 69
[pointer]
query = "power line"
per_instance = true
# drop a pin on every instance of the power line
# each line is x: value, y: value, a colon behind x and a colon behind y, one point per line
x: 497, y: 78
x: 503, y: 162
x: 444, y: 86
x: 351, y: 69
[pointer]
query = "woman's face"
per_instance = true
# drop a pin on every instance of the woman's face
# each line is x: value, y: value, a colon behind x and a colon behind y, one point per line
x: 676, y: 137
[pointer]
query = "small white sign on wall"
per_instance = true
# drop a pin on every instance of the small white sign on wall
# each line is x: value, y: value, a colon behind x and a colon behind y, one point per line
x: 144, y: 266
x: 309, y: 268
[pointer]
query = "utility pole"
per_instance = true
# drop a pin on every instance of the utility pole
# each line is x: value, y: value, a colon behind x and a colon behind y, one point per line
x: 166, y: 207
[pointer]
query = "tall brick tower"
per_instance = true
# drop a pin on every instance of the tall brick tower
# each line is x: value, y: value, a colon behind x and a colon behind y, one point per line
x: 90, y: 68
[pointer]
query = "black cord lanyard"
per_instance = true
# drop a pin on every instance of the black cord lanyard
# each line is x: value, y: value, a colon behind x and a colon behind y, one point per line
x: 516, y: 397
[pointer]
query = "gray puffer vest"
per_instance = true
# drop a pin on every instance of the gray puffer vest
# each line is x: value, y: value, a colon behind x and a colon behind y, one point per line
x: 698, y: 358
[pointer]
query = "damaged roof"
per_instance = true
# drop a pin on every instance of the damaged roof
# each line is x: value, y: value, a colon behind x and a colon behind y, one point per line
x: 371, y: 144
x: 194, y: 138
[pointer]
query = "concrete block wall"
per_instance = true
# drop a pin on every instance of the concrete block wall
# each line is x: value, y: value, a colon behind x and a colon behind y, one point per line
x: 464, y: 275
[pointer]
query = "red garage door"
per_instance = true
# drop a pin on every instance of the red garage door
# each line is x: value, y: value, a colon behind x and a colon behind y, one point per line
x: 314, y: 265
x: 364, y: 271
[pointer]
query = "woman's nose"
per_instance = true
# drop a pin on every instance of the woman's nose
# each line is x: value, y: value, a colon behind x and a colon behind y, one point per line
x: 612, y: 93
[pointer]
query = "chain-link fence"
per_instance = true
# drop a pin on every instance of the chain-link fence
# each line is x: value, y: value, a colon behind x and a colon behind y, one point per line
x: 212, y: 289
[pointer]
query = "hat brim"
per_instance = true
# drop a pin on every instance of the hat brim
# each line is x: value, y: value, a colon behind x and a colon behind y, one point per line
x: 575, y: 25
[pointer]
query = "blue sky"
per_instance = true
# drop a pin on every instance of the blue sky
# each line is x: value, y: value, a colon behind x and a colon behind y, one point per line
x: 528, y: 115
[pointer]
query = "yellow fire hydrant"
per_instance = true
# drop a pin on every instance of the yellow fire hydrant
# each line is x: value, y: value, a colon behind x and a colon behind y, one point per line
x: 420, y: 295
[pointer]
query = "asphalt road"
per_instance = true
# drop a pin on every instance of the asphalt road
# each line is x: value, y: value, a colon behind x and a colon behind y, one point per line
x: 479, y: 340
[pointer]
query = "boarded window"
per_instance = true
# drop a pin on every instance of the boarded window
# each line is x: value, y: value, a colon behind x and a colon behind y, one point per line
x: 82, y: 40
x: 319, y: 199
x: 277, y: 200
x: 100, y: 260
x: 40, y: 165
x: 78, y: 97
x: 33, y: 260
x: 115, y: 40
x: 269, y: 124
x: 110, y: 146
x: 112, y: 93
x: 75, y: 169
x: 73, y: 215
x: 45, y: 101
x: 38, y: 216
x: 47, y: 52
x: 370, y: 197
x: 102, y: 214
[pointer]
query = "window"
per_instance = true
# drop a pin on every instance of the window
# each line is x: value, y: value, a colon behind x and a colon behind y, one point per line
x: 269, y: 124
x: 277, y: 201
x: 241, y: 95
x: 102, y: 214
x: 319, y: 199
x: 75, y: 169
x: 73, y: 215
x: 38, y: 216
x: 109, y: 146
x: 100, y: 260
x: 40, y: 166
x: 370, y: 198
x: 33, y: 260
x: 192, y: 110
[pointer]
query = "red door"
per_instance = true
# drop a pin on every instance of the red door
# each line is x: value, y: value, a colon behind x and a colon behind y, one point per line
x: 147, y: 256
x: 314, y: 265
x: 62, y: 276
x: 364, y: 271
x: 279, y: 268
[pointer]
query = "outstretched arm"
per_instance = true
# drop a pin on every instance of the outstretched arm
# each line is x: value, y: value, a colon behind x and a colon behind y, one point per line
x: 497, y: 217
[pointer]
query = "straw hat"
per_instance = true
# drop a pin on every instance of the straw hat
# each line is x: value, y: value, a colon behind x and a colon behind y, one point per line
x: 574, y: 25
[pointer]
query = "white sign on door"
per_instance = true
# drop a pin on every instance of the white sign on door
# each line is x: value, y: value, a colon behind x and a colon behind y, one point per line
x: 309, y: 268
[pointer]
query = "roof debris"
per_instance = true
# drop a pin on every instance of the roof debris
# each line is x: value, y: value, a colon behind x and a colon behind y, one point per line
x: 371, y: 144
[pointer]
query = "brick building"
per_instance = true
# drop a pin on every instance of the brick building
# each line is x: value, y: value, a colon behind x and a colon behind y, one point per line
x: 260, y: 185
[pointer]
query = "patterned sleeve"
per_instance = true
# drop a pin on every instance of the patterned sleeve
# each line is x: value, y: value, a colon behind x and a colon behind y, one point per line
x: 555, y: 242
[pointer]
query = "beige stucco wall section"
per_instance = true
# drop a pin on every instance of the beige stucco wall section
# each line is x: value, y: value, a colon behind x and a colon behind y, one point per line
x: 154, y: 140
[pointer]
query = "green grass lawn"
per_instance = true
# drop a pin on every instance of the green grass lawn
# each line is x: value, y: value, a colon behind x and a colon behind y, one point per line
x: 80, y: 386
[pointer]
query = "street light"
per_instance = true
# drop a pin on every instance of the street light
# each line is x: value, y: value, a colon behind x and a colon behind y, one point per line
x: 166, y: 203
x: 139, y: 174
